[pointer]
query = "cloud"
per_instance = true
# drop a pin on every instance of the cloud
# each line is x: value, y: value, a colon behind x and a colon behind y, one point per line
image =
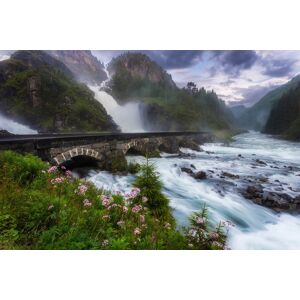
x: 234, y: 61
x: 253, y: 94
x: 277, y: 67
x: 175, y: 59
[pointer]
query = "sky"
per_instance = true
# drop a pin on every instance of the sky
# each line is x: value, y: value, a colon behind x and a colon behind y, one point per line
x: 237, y: 76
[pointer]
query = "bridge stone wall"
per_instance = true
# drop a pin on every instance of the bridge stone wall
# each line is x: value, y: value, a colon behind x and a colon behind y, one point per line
x: 105, y: 152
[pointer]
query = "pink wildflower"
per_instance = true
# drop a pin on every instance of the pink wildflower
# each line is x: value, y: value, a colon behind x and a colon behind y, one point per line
x: 52, y: 169
x: 200, y: 220
x: 104, y: 243
x: 87, y: 203
x: 134, y: 192
x: 120, y: 223
x: 105, y: 200
x: 82, y: 189
x: 144, y: 199
x: 68, y: 173
x: 137, y: 231
x: 125, y: 209
x: 142, y: 218
x: 213, y: 235
x: 136, y: 208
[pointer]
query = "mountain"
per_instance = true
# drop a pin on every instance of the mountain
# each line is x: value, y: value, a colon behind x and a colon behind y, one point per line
x: 39, y: 91
x: 85, y: 67
x: 135, y: 77
x: 256, y: 116
x: 238, y: 110
x: 284, y: 117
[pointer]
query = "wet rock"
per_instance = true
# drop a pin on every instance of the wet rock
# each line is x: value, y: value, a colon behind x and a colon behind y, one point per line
x: 187, y: 170
x: 260, y: 162
x: 241, y: 156
x: 200, y: 175
x: 275, y: 200
x: 192, y: 166
x: 230, y: 175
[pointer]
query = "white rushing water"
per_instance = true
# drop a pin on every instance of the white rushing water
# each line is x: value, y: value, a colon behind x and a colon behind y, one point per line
x: 127, y: 116
x: 256, y: 227
x: 14, y: 127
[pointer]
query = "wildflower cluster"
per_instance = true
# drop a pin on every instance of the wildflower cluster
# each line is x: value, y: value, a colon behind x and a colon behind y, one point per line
x: 81, y: 189
x: 199, y: 235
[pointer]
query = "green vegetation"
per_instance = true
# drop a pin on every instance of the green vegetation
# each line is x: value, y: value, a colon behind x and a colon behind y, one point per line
x: 40, y: 91
x: 45, y: 208
x: 133, y: 168
x: 284, y: 118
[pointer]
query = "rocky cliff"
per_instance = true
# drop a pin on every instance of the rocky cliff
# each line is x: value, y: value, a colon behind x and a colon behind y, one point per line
x: 39, y: 91
x: 84, y: 66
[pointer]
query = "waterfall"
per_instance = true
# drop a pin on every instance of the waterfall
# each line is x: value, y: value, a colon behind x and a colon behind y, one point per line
x: 127, y: 116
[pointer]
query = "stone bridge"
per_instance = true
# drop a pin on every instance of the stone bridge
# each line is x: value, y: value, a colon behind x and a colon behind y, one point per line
x: 106, y: 150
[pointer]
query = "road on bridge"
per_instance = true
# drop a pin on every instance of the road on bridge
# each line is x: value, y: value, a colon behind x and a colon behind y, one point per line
x: 90, y: 136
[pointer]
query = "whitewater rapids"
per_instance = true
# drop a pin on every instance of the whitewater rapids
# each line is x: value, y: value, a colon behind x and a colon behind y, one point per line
x: 256, y: 227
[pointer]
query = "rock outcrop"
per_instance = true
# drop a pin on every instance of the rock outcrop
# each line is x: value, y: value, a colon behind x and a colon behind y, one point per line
x: 84, y: 66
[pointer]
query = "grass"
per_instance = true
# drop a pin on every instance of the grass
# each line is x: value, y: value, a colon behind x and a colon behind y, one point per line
x: 42, y: 207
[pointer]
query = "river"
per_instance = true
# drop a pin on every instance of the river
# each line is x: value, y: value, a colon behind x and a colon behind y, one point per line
x: 256, y: 227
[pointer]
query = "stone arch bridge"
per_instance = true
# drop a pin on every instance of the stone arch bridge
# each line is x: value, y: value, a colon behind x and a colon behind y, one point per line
x: 103, y: 148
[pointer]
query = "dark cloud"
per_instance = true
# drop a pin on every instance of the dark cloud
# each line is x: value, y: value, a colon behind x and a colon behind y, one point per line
x: 277, y: 67
x: 175, y: 59
x: 234, y: 61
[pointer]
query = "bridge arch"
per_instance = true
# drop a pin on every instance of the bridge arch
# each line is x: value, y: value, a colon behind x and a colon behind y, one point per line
x: 68, y: 155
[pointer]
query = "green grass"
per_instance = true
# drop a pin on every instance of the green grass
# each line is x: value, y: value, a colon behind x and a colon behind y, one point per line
x: 45, y: 208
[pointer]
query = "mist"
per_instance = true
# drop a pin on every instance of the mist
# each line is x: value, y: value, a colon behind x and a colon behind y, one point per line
x: 14, y: 127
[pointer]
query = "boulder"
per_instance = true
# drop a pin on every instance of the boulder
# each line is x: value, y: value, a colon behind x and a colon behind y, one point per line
x: 200, y: 175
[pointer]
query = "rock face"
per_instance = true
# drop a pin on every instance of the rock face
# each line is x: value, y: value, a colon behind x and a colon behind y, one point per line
x: 138, y: 65
x: 84, y: 66
x: 39, y: 91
